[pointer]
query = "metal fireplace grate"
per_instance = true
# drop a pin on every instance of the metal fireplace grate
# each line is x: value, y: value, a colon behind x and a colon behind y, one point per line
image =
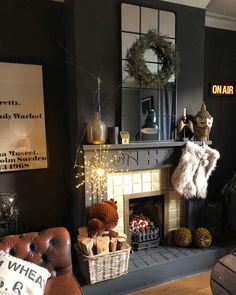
x: 144, y: 234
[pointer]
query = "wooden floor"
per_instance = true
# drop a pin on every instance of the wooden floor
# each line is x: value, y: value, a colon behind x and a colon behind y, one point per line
x: 194, y: 285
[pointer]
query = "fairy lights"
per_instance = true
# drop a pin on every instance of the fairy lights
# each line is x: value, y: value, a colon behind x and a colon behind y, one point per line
x: 97, y: 170
x: 97, y: 167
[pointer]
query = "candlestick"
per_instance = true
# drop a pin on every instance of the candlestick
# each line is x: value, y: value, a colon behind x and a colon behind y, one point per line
x: 185, y: 112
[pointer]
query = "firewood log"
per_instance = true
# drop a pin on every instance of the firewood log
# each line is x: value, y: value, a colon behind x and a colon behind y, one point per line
x: 113, y: 244
x: 113, y: 233
x: 103, y: 244
x: 80, y: 238
x: 105, y: 234
x: 83, y: 231
x: 117, y: 234
x: 121, y: 244
x: 86, y: 245
x: 95, y: 244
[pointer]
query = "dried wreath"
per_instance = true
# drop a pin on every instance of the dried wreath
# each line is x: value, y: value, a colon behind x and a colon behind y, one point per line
x: 165, y: 51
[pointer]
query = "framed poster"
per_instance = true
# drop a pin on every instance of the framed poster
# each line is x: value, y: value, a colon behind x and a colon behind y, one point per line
x: 22, y: 118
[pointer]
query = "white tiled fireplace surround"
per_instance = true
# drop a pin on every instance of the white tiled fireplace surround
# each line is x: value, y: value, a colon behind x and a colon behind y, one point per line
x: 148, y: 175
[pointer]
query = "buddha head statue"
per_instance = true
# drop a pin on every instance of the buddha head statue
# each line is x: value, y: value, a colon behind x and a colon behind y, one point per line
x: 203, y: 122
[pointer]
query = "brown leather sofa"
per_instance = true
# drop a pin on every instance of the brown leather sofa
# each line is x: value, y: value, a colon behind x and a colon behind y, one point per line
x: 51, y: 249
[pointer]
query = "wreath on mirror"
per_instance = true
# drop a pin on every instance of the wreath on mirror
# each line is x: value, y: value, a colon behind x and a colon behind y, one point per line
x: 165, y: 51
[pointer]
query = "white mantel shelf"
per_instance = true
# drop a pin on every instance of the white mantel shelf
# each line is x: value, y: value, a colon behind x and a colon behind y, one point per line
x: 141, y: 145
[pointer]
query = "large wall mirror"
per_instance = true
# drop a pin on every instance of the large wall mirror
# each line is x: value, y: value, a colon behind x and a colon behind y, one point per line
x: 139, y: 101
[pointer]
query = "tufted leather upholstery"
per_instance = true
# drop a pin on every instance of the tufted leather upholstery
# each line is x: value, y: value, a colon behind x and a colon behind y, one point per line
x: 51, y: 249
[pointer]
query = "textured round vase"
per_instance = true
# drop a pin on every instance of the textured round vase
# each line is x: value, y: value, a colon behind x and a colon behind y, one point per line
x: 96, y: 130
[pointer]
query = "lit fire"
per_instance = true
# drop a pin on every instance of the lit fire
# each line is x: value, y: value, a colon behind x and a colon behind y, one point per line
x: 138, y: 222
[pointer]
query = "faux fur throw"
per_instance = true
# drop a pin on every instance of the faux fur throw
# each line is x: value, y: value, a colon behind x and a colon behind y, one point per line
x: 195, y: 166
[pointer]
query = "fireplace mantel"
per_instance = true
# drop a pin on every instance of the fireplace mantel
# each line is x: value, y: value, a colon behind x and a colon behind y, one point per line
x: 141, y: 145
x: 140, y: 155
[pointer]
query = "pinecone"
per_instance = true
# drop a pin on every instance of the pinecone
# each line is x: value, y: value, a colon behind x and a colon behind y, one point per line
x: 106, y: 212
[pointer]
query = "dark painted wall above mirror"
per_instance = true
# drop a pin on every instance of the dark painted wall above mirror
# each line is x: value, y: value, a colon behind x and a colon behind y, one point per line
x: 139, y: 99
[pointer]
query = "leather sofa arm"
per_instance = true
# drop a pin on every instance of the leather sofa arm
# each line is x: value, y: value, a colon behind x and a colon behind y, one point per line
x: 63, y: 285
x: 50, y: 248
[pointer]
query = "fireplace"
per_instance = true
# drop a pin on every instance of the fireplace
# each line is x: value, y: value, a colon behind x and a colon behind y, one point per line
x: 148, y: 177
x: 144, y: 220
x: 150, y: 167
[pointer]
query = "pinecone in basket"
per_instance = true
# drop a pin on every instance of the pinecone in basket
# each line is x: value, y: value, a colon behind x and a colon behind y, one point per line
x: 183, y: 237
x: 202, y: 237
x: 106, y: 212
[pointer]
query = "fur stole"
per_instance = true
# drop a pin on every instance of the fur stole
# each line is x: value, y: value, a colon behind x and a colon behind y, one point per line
x: 195, y: 167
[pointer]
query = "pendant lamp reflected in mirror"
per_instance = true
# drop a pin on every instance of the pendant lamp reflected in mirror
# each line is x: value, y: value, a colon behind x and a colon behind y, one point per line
x: 150, y: 129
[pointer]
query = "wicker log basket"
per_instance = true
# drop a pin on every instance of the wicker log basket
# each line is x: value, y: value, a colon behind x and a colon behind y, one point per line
x: 103, y: 267
x: 103, y: 253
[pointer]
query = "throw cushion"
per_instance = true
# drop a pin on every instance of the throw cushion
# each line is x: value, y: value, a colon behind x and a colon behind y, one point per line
x: 18, y: 276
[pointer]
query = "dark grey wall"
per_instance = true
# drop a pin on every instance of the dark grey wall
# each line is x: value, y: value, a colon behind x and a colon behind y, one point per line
x: 29, y: 33
x: 220, y: 66
x: 96, y: 43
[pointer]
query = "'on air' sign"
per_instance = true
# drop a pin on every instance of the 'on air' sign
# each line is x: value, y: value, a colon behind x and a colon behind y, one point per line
x: 219, y: 89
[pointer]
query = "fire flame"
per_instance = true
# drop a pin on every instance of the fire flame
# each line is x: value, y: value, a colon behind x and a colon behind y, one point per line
x: 138, y: 222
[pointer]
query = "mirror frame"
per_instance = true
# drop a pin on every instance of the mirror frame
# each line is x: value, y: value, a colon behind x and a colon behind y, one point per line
x: 151, y: 92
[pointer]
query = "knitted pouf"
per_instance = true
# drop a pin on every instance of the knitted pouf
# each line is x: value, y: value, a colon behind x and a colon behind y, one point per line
x: 202, y: 237
x: 183, y: 237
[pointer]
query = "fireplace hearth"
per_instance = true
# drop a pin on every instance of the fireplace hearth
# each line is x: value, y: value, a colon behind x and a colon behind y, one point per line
x: 158, y: 265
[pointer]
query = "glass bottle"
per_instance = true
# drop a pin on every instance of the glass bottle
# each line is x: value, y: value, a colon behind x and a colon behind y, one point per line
x: 96, y: 129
